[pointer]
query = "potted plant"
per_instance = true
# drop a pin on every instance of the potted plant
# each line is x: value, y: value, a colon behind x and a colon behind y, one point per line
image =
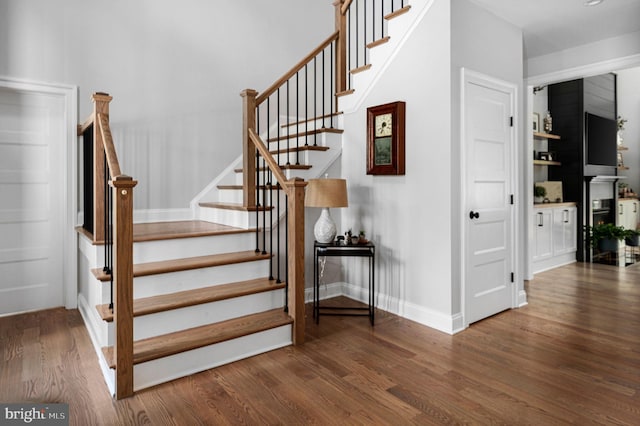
x: 362, y: 239
x: 606, y: 236
x: 632, y: 238
x: 539, y: 192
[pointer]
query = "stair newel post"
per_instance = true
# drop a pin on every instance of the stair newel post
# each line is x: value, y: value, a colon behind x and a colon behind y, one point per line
x: 295, y: 259
x: 341, y: 49
x: 248, y: 149
x: 123, y: 283
x: 100, y: 106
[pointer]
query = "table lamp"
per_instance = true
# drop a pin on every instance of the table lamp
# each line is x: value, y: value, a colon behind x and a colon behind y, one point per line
x: 326, y: 193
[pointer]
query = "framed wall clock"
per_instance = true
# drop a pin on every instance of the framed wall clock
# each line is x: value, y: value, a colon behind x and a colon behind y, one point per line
x: 385, y: 139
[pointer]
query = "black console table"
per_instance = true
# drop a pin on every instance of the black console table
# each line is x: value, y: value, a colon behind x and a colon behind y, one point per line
x: 367, y: 250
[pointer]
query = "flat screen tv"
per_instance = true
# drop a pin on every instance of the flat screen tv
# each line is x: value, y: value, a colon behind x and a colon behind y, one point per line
x: 601, y: 148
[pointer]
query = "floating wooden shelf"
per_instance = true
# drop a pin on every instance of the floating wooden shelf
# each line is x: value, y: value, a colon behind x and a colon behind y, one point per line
x: 623, y: 168
x: 545, y: 135
x: 546, y: 163
x: 622, y: 148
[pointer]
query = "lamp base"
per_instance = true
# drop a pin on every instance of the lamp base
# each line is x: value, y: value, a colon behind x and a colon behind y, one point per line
x: 325, y: 229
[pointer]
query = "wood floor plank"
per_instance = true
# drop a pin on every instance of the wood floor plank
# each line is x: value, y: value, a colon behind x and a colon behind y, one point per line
x: 571, y: 356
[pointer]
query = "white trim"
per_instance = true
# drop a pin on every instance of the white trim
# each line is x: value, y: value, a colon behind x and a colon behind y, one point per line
x: 470, y: 76
x: 449, y: 324
x: 582, y: 71
x: 69, y: 241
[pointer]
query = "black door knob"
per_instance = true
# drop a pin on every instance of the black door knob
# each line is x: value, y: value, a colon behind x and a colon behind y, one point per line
x: 473, y: 215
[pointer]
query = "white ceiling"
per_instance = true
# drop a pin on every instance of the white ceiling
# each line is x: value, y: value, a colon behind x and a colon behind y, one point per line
x: 554, y: 25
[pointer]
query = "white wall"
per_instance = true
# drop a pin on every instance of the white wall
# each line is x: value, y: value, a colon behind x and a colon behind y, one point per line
x: 414, y: 219
x: 629, y: 108
x: 484, y: 43
x: 175, y: 70
x: 408, y: 217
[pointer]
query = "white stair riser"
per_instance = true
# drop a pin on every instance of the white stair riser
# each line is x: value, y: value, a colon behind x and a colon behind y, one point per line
x: 236, y: 218
x: 186, y: 363
x: 153, y: 285
x: 207, y: 313
x: 178, y: 248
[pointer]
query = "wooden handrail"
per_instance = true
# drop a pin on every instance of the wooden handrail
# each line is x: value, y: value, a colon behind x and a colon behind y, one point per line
x: 345, y: 6
x: 297, y: 67
x: 109, y: 148
x: 122, y: 226
x: 84, y: 126
x: 294, y: 188
x: 268, y: 158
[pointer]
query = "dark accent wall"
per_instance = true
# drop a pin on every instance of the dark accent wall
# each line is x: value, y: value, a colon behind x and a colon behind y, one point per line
x: 568, y: 102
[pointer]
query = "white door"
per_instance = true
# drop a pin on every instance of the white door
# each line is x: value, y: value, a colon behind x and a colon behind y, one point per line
x: 31, y: 194
x: 488, y: 144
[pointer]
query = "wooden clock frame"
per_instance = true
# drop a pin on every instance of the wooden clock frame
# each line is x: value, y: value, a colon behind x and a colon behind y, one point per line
x: 380, y: 146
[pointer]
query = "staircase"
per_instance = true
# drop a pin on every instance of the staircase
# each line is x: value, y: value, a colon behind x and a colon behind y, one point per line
x: 211, y: 291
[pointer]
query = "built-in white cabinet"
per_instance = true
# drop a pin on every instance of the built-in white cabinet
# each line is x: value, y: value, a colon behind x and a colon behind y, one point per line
x: 627, y: 213
x: 565, y: 237
x: 555, y: 236
x: 543, y: 220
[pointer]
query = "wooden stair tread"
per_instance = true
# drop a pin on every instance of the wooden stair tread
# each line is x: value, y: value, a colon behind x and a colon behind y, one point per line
x: 182, y: 299
x: 185, y: 264
x: 378, y: 42
x: 283, y: 167
x: 320, y: 117
x: 360, y: 69
x: 300, y: 148
x: 307, y: 133
x: 197, y: 337
x: 237, y: 187
x: 181, y: 229
x: 397, y: 13
x: 345, y: 92
x: 233, y: 206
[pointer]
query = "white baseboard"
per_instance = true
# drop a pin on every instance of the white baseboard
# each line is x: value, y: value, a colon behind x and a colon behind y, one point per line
x: 449, y: 324
x: 522, y: 299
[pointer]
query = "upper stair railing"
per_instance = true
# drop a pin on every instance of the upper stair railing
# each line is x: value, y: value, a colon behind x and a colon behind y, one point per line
x: 108, y: 204
x: 289, y: 115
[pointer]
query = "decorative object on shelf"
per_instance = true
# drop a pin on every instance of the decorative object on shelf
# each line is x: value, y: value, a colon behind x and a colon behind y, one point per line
x: 351, y: 239
x: 326, y: 193
x: 385, y: 139
x: 620, y: 160
x: 623, y: 188
x: 536, y: 122
x: 362, y: 237
x: 546, y: 156
x: 548, y: 122
x: 539, y: 192
x: 619, y: 135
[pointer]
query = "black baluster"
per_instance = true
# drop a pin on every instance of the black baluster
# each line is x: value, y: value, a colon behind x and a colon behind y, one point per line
x: 288, y: 140
x: 297, y: 119
x: 306, y: 105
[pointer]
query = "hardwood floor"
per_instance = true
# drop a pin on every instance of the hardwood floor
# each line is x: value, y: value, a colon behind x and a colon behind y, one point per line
x: 571, y: 356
